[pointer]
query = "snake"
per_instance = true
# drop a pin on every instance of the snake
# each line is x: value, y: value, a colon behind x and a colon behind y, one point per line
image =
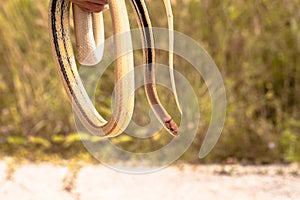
x: 123, y: 101
x: 89, y: 35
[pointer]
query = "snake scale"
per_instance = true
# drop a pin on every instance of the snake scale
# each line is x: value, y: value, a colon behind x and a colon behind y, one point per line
x: 91, y: 25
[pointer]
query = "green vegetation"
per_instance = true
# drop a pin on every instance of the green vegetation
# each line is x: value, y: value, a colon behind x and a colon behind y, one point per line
x: 256, y: 45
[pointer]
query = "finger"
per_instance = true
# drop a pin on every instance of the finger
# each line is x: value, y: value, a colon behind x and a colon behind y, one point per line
x: 98, y: 1
x: 92, y: 7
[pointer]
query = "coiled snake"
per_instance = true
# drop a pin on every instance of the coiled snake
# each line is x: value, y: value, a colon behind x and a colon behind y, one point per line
x: 89, y: 33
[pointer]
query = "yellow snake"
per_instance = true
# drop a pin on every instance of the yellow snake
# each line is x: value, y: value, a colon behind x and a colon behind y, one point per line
x: 124, y: 99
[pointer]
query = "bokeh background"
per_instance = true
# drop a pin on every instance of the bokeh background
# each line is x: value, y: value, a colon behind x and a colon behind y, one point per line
x: 256, y: 45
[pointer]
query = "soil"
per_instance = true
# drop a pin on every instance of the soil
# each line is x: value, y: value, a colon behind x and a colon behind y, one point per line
x: 87, y: 181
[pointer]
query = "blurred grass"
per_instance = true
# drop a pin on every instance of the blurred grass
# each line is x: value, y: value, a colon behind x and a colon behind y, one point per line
x: 256, y: 45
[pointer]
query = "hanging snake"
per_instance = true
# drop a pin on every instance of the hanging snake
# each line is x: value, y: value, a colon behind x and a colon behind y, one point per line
x: 91, y: 27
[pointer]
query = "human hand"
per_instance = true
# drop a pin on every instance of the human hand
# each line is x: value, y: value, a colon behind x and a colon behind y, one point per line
x: 91, y: 5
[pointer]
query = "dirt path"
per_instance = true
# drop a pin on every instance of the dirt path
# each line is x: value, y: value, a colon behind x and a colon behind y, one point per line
x: 48, y: 181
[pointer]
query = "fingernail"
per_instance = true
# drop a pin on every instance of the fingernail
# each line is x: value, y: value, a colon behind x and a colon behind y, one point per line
x: 106, y: 7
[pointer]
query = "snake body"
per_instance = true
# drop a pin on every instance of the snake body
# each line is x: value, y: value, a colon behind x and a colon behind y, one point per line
x: 124, y: 99
x: 66, y: 65
x: 144, y: 21
x: 89, y: 34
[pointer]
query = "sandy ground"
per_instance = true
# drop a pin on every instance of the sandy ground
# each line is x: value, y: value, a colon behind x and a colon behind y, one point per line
x: 84, y: 181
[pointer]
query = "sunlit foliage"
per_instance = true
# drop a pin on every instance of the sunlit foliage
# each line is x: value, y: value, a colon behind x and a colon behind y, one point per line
x: 256, y: 45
